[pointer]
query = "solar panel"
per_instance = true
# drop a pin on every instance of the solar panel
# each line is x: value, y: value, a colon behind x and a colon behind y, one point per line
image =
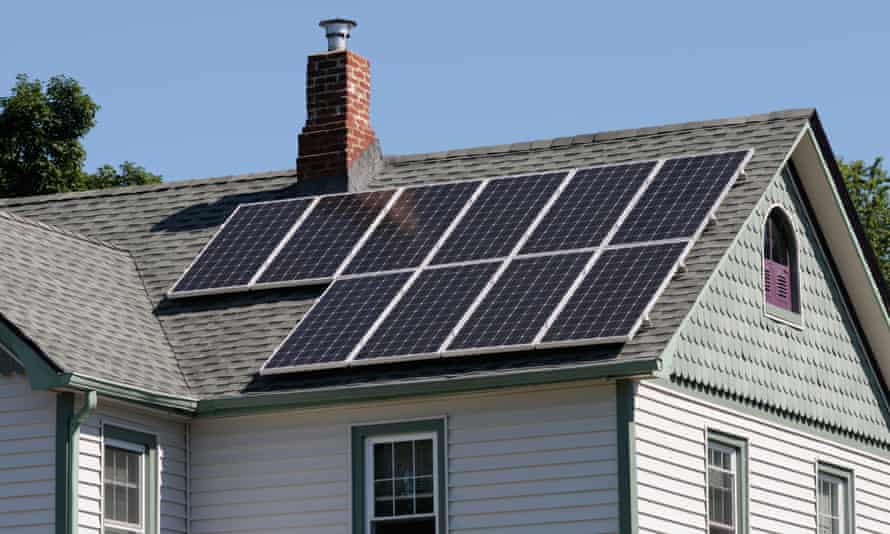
x: 519, y: 304
x: 499, y: 217
x: 428, y: 311
x: 588, y: 207
x: 337, y: 322
x: 681, y: 196
x: 412, y: 227
x: 324, y: 239
x: 242, y: 245
x: 615, y: 293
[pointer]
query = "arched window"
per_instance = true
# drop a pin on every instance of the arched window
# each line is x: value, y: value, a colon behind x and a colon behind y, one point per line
x: 780, y: 274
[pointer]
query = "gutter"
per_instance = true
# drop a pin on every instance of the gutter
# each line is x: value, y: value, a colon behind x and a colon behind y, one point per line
x: 68, y: 426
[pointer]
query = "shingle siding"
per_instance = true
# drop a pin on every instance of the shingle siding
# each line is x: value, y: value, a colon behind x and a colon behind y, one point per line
x: 671, y: 432
x: 820, y: 372
x: 27, y: 457
x: 522, y: 460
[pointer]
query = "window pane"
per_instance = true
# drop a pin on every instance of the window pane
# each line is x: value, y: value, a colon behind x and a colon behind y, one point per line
x: 404, y: 526
x: 133, y: 469
x: 404, y: 506
x: 109, y: 501
x: 423, y: 451
x: 424, y: 505
x: 404, y: 459
x: 120, y: 505
x: 383, y: 498
x: 133, y: 506
x: 383, y: 460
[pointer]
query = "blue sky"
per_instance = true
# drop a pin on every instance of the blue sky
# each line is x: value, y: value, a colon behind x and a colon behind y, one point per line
x: 199, y: 88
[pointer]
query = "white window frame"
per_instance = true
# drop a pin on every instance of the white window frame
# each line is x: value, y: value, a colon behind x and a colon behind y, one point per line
x: 733, y: 454
x: 142, y: 451
x: 844, y: 479
x: 369, y: 477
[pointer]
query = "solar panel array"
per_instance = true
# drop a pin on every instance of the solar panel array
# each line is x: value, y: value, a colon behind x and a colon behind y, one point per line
x: 543, y: 260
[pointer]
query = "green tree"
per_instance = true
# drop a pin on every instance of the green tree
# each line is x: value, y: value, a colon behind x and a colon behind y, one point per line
x: 127, y: 174
x: 41, y: 129
x: 869, y: 187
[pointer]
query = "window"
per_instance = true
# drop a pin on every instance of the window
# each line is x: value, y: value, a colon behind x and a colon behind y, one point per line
x: 834, y: 506
x: 129, y: 482
x: 398, y: 480
x: 727, y: 490
x: 780, y: 269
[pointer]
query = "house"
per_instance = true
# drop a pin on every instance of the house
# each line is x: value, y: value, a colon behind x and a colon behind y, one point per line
x: 744, y: 389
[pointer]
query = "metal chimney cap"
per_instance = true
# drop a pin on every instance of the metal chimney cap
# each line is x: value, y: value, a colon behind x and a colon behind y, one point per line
x: 337, y: 31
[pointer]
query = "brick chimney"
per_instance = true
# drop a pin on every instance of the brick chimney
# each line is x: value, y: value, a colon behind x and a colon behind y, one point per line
x: 338, y: 150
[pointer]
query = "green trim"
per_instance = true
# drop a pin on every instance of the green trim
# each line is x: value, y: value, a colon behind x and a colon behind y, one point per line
x: 741, y: 447
x: 302, y: 399
x: 122, y: 392
x: 361, y: 433
x: 626, y: 393
x: 849, y: 478
x: 40, y: 372
x: 8, y: 364
x: 64, y: 464
x: 152, y: 488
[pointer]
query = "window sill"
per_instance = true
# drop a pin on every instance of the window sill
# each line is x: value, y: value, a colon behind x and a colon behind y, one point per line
x: 790, y: 318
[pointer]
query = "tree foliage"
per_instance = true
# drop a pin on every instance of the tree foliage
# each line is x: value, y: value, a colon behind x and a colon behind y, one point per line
x: 869, y: 187
x: 41, y: 129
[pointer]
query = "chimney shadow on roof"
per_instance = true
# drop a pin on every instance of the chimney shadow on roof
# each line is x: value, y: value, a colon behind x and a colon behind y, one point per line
x: 203, y: 215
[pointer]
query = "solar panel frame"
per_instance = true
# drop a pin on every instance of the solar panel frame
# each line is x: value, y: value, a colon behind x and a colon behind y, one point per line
x: 718, y: 199
x: 173, y: 293
x: 257, y: 282
x: 266, y: 370
x: 486, y: 267
x: 601, y: 182
x: 358, y: 264
x: 605, y: 246
x: 643, y: 315
x: 487, y: 232
x: 691, y: 241
x: 525, y: 303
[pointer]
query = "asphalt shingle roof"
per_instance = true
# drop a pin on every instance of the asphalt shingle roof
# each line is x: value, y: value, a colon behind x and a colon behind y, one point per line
x: 220, y: 342
x: 82, y: 302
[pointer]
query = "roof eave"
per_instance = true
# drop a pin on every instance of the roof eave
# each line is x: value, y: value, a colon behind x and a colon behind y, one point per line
x: 265, y: 402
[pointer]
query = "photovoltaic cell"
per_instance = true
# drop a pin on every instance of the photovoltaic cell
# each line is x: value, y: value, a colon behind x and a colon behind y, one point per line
x: 338, y: 321
x: 242, y: 245
x: 588, y: 207
x: 517, y: 307
x: 498, y: 218
x: 679, y: 198
x: 615, y: 293
x: 326, y: 237
x: 412, y: 227
x: 429, y: 311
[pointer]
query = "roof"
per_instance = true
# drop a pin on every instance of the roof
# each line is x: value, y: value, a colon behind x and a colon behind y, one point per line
x: 220, y: 342
x: 82, y: 302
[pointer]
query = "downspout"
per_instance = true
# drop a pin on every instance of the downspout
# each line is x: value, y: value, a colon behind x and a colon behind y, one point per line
x: 73, y: 463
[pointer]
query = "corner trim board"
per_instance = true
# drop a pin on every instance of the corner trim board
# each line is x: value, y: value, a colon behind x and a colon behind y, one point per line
x: 625, y: 396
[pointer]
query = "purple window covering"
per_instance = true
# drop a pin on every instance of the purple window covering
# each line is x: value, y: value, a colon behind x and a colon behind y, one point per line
x: 777, y: 284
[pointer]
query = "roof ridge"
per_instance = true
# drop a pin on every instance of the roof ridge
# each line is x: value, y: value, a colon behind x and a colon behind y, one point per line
x: 608, y: 135
x: 142, y: 189
x: 61, y: 231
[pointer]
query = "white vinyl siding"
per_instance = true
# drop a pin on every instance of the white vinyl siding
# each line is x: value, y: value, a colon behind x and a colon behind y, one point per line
x: 27, y: 457
x: 172, y: 459
x: 782, y: 466
x: 521, y: 461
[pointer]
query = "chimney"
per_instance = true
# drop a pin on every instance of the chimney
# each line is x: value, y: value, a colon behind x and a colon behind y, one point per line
x: 338, y: 150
